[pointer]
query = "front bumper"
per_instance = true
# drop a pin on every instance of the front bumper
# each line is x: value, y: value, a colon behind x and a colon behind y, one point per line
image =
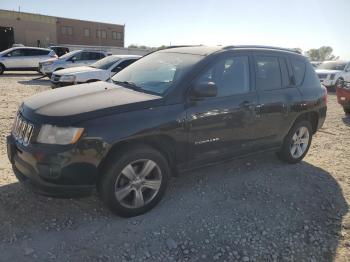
x: 56, y: 171
x: 45, y: 69
x: 61, y: 84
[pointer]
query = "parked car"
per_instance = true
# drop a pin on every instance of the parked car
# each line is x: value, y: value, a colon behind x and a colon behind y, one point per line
x: 99, y: 71
x: 72, y: 59
x: 60, y: 50
x: 331, y: 72
x: 172, y: 110
x: 315, y: 64
x: 343, y: 95
x: 24, y: 58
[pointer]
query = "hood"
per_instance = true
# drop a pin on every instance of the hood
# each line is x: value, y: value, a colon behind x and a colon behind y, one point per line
x: 77, y: 70
x: 327, y: 71
x: 49, y: 60
x: 80, y: 102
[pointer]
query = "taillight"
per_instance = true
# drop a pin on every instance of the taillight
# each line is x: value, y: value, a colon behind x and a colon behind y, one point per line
x: 325, y: 96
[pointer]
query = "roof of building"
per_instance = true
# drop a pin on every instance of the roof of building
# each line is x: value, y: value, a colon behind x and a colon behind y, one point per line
x: 55, y: 17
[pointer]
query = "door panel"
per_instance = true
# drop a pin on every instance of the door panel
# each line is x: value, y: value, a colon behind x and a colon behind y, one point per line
x: 14, y: 59
x: 222, y: 126
x: 277, y: 99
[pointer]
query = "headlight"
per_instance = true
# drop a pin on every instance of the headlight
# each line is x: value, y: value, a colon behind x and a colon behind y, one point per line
x: 47, y: 63
x: 67, y: 78
x: 59, y: 135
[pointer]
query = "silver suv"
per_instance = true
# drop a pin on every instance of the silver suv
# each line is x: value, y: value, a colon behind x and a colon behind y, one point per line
x: 24, y: 58
x: 72, y: 59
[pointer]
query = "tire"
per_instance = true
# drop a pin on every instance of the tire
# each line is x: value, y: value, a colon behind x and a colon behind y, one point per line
x: 346, y: 109
x: 290, y: 151
x: 2, y: 69
x: 122, y: 181
x: 339, y: 82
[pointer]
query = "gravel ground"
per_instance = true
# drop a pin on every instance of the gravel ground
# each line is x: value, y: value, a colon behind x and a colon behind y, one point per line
x: 252, y: 209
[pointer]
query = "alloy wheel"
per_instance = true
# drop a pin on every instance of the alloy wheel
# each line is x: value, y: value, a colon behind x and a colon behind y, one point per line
x: 138, y: 183
x: 300, y: 142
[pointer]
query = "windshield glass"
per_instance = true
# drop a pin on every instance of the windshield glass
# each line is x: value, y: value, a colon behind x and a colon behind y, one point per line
x: 332, y: 65
x: 105, y: 63
x: 69, y: 54
x: 157, y: 72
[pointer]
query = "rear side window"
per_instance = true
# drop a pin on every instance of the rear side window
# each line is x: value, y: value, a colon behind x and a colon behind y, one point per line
x: 36, y: 52
x: 299, y: 70
x: 268, y: 73
x: 95, y: 56
x: 230, y: 74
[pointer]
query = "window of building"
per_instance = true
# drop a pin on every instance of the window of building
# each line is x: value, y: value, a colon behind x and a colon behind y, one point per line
x: 101, y: 34
x: 66, y: 30
x: 86, y: 32
x: 230, y: 74
x: 268, y: 73
x: 119, y: 36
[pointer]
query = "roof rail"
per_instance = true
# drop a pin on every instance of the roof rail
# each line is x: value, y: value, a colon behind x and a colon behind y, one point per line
x: 176, y: 46
x: 263, y: 46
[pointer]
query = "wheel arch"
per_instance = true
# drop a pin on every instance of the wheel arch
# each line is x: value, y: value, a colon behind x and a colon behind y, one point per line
x: 162, y: 143
x: 312, y: 117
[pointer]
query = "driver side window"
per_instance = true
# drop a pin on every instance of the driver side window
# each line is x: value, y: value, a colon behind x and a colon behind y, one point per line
x: 230, y: 75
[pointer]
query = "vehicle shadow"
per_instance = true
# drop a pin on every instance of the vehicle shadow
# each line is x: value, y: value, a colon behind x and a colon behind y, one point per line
x: 346, y: 119
x: 20, y: 74
x: 256, y: 206
x: 35, y: 82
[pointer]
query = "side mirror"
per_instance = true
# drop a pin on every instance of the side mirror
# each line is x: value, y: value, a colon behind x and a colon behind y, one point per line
x: 73, y: 59
x: 203, y: 90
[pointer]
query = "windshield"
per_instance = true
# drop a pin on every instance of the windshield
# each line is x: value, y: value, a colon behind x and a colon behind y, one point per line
x: 157, y: 72
x: 105, y: 63
x: 69, y: 54
x: 332, y: 66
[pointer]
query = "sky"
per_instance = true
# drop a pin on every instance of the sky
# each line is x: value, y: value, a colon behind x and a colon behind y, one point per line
x: 295, y: 23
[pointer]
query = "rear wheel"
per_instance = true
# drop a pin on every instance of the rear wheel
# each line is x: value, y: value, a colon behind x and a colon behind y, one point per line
x: 2, y: 69
x: 346, y: 109
x: 134, y: 181
x: 296, y: 144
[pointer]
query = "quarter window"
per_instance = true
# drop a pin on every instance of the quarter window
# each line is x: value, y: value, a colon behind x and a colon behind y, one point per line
x: 231, y: 75
x: 268, y: 73
x: 299, y: 70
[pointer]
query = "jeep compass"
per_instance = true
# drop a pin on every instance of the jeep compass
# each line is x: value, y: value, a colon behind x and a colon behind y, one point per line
x: 172, y: 110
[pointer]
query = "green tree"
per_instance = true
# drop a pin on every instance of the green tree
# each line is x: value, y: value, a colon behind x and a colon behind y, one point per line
x: 321, y: 54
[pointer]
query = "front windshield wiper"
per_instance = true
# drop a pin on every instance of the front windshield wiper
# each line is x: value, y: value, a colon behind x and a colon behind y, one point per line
x: 128, y: 84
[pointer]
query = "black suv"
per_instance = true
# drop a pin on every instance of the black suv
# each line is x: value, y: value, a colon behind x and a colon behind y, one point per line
x: 173, y: 110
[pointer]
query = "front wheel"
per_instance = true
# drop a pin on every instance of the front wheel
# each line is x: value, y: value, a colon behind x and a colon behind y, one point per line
x: 297, y: 143
x: 134, y: 181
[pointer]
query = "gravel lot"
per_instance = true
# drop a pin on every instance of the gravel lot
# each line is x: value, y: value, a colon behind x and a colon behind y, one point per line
x: 252, y: 209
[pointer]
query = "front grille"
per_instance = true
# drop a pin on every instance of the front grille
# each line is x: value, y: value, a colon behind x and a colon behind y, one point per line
x: 55, y: 78
x: 22, y: 130
x: 322, y: 76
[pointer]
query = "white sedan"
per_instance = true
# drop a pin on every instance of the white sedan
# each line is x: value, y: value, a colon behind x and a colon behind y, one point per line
x: 101, y: 70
